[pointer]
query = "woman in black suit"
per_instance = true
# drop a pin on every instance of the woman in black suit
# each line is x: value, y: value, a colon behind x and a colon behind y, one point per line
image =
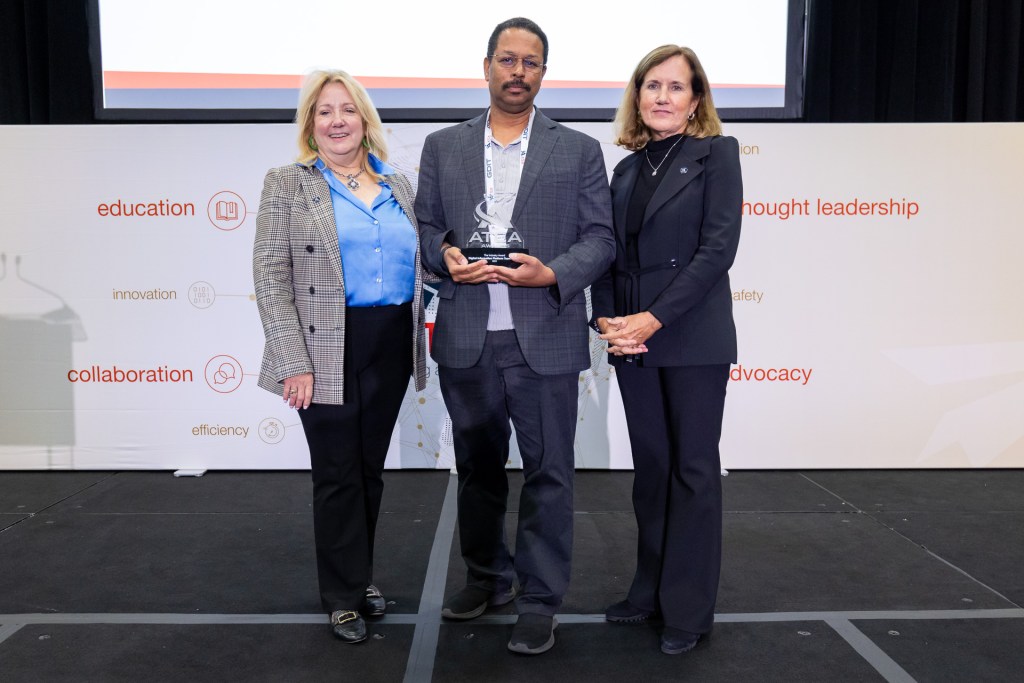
x: 665, y: 309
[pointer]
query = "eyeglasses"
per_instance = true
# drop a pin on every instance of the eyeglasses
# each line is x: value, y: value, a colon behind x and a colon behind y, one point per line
x: 509, y: 62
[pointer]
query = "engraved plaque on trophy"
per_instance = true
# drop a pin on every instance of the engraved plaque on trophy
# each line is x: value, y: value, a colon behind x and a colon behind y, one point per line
x: 494, y: 237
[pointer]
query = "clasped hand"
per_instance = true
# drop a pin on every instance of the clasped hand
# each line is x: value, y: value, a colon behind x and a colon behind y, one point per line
x: 626, y: 335
x: 532, y: 272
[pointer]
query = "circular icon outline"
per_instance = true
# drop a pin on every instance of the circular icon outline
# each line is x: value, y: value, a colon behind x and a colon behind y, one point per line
x: 211, y: 213
x: 236, y: 367
x: 213, y: 298
x: 271, y: 430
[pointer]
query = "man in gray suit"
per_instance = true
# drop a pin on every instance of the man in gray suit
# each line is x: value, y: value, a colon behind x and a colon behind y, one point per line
x: 510, y: 342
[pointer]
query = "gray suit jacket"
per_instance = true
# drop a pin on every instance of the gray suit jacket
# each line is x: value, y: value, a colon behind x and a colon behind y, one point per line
x: 563, y: 212
x: 300, y: 286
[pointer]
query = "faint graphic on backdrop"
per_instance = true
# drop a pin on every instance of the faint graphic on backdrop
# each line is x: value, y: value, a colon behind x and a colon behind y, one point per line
x: 37, y: 330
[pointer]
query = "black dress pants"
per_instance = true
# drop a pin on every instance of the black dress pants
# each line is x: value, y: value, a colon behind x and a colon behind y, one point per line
x: 348, y: 445
x: 674, y: 419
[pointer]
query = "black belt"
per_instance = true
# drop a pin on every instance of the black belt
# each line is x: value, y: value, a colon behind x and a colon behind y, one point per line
x: 630, y: 282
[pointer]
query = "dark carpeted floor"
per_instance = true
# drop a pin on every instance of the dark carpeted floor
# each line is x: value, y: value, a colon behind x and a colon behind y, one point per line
x: 827, y: 576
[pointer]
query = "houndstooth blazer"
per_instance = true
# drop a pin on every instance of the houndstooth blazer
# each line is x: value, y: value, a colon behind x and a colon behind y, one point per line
x: 300, y: 286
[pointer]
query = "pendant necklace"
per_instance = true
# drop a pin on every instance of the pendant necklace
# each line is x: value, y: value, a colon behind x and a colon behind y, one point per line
x: 352, y: 183
x: 647, y: 153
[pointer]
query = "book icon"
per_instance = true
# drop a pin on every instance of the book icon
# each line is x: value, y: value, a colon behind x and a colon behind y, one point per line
x: 227, y: 211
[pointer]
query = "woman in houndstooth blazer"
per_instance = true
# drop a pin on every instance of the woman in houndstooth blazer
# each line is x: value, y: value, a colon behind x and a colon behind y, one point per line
x: 337, y: 252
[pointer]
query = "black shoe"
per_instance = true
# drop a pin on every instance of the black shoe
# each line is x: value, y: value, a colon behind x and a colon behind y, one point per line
x: 533, y: 634
x: 625, y: 613
x: 472, y: 601
x: 675, y: 641
x: 373, y: 604
x: 348, y: 626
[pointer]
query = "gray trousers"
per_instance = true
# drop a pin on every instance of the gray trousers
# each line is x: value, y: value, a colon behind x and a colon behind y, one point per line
x: 481, y: 401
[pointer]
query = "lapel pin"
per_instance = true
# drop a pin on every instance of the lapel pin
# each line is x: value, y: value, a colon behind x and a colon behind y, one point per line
x: 683, y: 169
x: 316, y: 200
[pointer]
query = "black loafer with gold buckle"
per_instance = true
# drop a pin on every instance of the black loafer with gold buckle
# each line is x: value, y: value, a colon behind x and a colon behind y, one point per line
x: 348, y: 626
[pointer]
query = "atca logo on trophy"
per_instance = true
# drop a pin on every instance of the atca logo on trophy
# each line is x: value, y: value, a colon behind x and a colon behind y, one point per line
x: 494, y: 239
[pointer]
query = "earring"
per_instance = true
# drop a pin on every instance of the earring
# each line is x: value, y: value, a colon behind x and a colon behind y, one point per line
x: 366, y: 143
x: 690, y: 117
x: 312, y: 144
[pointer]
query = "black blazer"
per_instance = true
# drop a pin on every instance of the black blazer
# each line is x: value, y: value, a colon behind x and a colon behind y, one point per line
x: 686, y: 245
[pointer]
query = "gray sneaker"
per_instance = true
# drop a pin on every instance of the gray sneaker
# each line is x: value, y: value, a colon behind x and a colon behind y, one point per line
x: 472, y: 601
x: 533, y: 634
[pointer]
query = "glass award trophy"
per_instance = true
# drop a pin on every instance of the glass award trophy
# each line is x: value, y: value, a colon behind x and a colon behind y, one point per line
x: 494, y: 237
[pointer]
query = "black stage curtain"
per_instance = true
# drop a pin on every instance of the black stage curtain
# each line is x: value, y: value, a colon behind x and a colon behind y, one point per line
x: 45, y: 73
x: 867, y: 61
x: 914, y: 61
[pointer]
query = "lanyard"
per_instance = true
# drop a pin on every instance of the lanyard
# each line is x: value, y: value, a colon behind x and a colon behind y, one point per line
x: 489, y: 155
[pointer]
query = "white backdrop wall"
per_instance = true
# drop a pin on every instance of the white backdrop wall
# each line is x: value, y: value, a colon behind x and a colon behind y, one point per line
x: 877, y: 293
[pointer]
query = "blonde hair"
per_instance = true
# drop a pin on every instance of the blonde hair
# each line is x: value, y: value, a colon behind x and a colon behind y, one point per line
x: 630, y: 130
x: 373, y: 129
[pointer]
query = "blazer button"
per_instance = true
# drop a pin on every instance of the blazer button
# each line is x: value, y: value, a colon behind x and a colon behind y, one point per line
x: 312, y: 329
x: 309, y: 248
x: 312, y: 290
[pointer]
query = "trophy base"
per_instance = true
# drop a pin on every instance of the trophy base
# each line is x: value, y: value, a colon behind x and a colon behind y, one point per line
x: 494, y: 256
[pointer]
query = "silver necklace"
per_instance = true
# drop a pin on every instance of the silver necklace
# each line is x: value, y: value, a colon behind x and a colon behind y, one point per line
x: 352, y: 183
x: 647, y: 153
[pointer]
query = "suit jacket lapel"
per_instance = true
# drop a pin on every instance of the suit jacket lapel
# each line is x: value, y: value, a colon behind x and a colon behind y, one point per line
x: 542, y: 141
x: 473, y: 158
x: 318, y: 196
x: 685, y: 167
